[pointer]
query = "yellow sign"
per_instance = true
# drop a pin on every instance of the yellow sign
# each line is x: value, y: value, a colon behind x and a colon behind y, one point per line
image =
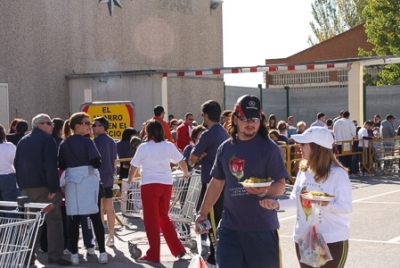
x: 120, y: 115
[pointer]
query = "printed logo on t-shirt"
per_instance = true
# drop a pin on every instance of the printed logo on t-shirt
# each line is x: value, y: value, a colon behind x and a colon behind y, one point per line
x: 236, y: 166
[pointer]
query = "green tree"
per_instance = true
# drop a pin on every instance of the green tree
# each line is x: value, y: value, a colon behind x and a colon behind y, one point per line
x: 332, y: 17
x: 382, y: 26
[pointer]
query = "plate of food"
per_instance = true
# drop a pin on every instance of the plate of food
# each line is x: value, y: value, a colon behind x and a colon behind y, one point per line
x: 257, y: 182
x: 317, y: 196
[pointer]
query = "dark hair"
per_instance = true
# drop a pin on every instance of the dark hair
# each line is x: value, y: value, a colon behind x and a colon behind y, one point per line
x: 128, y: 133
x: 195, y: 132
x: 369, y: 123
x: 154, y: 131
x: 158, y: 110
x: 58, y: 124
x: 262, y: 131
x: 271, y: 117
x: 212, y: 109
x: 226, y: 113
x: 13, y: 123
x: 274, y: 132
x: 320, y: 115
x: 133, y: 143
x: 21, y: 127
x: 329, y: 122
x: 74, y: 120
x: 2, y: 134
x: 103, y: 121
x: 346, y: 114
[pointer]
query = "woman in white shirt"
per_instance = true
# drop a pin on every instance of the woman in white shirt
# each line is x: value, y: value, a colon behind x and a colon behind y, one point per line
x: 8, y: 180
x: 153, y: 158
x: 320, y: 171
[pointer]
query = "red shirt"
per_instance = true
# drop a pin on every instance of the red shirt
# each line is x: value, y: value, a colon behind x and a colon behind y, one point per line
x: 182, y: 136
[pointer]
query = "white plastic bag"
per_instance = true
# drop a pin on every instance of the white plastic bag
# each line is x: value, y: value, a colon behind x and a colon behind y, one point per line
x: 197, y: 261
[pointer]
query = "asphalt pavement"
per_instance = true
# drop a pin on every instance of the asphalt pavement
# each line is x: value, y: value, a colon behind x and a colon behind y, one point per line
x: 374, y: 228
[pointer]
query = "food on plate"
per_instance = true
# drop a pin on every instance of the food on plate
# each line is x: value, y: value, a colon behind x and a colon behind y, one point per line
x: 257, y: 180
x: 318, y: 193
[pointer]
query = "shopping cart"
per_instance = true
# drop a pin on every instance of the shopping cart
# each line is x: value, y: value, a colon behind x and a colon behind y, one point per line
x: 18, y: 231
x: 386, y: 156
x: 184, y: 198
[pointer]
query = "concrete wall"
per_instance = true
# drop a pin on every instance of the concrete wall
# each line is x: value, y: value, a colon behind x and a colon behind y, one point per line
x: 42, y: 41
x: 305, y: 104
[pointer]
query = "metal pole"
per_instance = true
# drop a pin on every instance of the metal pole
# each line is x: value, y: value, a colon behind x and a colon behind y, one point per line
x: 364, y: 103
x: 261, y: 95
x: 224, y: 96
x: 287, y: 101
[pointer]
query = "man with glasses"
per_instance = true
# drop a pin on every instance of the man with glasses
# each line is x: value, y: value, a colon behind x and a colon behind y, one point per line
x: 36, y: 169
x: 247, y: 233
x: 108, y: 151
x: 184, y: 132
x: 205, y: 150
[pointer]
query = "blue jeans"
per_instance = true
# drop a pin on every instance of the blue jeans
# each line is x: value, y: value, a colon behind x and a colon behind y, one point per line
x: 8, y: 191
x: 238, y: 249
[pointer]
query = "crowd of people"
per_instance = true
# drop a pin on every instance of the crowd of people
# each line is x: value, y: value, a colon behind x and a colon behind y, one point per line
x: 58, y: 161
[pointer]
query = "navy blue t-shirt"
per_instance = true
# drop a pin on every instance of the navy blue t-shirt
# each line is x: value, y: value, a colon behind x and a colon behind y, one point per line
x: 209, y: 142
x: 262, y: 159
x: 83, y: 149
x: 108, y: 151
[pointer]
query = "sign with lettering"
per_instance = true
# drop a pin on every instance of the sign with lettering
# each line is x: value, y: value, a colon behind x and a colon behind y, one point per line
x: 120, y: 115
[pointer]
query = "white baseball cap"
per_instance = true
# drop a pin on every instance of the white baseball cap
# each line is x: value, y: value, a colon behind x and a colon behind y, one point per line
x: 319, y: 135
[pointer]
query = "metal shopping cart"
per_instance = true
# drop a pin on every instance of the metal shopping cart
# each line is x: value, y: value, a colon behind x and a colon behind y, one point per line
x: 184, y: 198
x: 385, y: 156
x: 18, y: 231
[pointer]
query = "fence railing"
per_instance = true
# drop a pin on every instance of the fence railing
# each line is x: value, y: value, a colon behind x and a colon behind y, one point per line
x: 378, y: 157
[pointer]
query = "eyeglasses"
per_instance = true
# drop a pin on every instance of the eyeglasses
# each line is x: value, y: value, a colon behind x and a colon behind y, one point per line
x: 245, y: 119
x: 94, y: 125
x: 87, y: 123
x: 46, y: 123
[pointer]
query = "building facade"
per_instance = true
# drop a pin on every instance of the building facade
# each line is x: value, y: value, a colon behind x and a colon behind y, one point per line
x: 339, y: 48
x: 55, y: 55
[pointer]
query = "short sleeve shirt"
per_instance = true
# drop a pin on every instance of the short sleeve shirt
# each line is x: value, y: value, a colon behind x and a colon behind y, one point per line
x: 77, y: 151
x: 208, y: 143
x: 108, y: 151
x: 258, y: 157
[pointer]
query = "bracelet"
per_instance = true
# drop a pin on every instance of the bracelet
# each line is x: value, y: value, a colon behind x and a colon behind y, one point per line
x: 264, y: 194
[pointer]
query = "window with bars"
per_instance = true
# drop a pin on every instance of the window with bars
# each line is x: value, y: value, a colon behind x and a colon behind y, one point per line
x: 300, y: 78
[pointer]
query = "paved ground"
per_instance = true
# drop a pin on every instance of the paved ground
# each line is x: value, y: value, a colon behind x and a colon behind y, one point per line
x: 374, y: 242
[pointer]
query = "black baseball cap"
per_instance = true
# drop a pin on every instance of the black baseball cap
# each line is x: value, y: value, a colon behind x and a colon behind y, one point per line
x: 248, y: 106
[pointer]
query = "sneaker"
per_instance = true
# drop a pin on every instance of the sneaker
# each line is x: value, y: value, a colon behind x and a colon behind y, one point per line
x: 103, y: 257
x: 110, y: 242
x: 209, y: 265
x: 66, y: 252
x: 144, y: 259
x: 352, y: 175
x: 90, y: 251
x: 180, y: 255
x: 74, y: 259
x: 204, y: 243
x: 361, y: 174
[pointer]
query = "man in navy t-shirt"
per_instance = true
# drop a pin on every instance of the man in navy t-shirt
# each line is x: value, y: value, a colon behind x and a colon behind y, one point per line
x: 205, y: 150
x: 247, y: 233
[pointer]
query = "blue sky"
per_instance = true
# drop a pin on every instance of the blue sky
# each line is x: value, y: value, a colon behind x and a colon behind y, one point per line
x: 255, y: 30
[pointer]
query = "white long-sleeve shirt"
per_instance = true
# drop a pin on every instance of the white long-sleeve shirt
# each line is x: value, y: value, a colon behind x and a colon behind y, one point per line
x: 333, y: 221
